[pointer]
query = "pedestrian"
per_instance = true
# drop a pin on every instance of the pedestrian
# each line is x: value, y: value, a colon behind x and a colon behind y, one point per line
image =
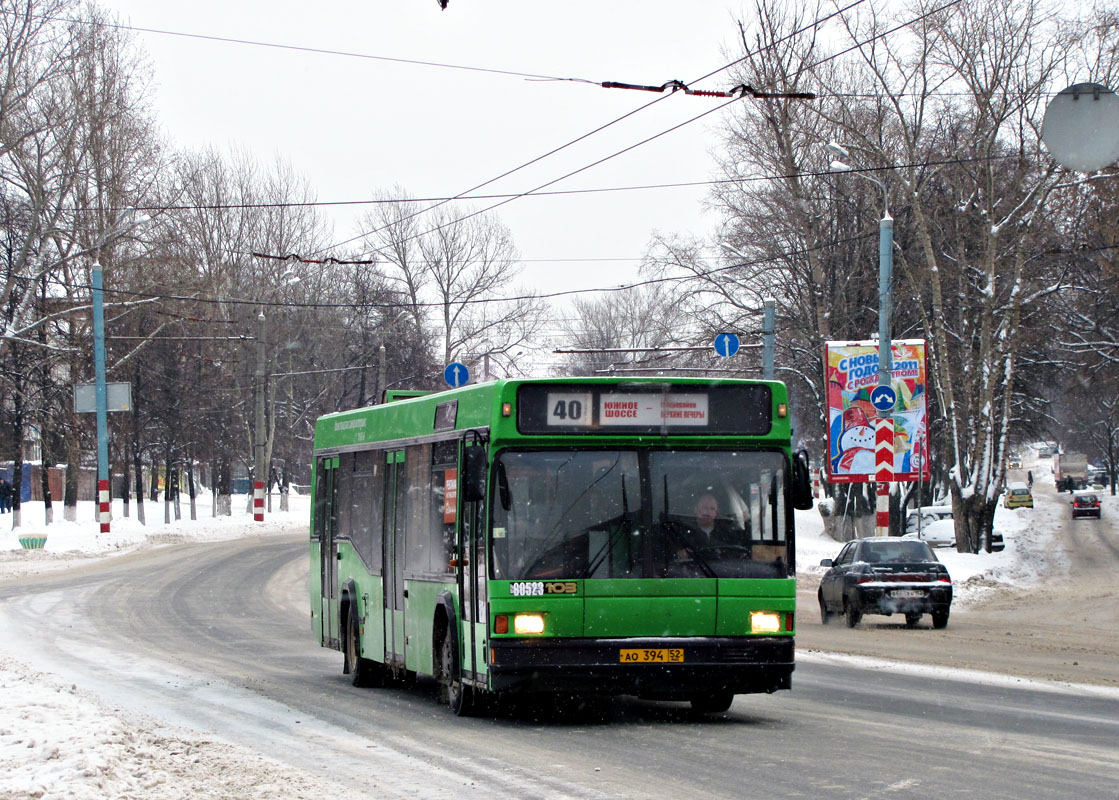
x: 5, y: 496
x: 1030, y: 479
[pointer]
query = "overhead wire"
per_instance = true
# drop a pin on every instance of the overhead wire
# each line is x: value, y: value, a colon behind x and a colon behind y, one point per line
x: 572, y: 142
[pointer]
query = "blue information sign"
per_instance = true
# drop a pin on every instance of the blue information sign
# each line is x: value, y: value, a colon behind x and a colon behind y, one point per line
x: 456, y: 374
x: 884, y: 398
x: 726, y: 344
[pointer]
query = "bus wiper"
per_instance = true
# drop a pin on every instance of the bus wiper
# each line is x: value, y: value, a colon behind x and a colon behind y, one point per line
x: 608, y: 546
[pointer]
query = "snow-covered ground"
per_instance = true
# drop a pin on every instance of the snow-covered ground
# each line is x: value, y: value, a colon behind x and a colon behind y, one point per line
x: 59, y: 740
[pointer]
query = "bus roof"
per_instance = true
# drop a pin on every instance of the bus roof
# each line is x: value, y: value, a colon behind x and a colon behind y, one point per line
x: 483, y: 406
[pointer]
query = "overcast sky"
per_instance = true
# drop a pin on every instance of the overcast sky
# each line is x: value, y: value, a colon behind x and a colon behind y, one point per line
x: 356, y: 125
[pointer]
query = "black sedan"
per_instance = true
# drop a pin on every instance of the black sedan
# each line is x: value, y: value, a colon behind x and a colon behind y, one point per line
x: 887, y: 576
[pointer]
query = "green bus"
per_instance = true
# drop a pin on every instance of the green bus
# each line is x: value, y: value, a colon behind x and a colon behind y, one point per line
x: 574, y: 535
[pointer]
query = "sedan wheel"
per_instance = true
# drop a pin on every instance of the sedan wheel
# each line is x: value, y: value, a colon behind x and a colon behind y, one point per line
x: 912, y: 619
x: 825, y: 615
x: 854, y: 614
x: 940, y: 619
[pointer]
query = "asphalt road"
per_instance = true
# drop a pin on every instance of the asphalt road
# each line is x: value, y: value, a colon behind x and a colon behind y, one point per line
x: 217, y: 636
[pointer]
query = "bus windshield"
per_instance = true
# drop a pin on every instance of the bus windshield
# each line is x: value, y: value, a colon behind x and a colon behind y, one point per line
x: 639, y: 513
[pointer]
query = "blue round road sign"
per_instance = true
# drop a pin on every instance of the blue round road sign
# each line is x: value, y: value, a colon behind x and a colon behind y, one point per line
x: 726, y: 344
x: 456, y: 374
x: 884, y: 398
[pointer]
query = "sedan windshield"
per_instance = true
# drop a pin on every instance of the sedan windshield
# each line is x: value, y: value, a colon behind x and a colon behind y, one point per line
x: 639, y: 514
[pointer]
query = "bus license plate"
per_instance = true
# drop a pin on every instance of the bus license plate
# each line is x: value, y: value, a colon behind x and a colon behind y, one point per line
x: 907, y: 594
x: 659, y: 655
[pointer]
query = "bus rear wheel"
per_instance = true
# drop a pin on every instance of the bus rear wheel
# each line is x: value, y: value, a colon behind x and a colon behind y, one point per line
x: 457, y: 695
x: 713, y: 703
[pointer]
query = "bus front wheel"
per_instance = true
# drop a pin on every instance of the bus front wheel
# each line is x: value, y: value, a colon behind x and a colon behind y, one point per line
x: 713, y: 703
x: 362, y: 671
x: 458, y: 696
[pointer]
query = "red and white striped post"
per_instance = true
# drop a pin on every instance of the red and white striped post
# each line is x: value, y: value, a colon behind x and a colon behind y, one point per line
x: 883, y: 471
x: 258, y: 501
x: 103, y: 509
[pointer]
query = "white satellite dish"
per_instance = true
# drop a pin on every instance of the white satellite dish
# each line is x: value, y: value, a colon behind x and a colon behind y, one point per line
x: 1081, y: 127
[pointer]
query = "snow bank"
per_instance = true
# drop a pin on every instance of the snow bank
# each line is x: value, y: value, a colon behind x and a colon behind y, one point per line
x: 57, y: 740
x: 71, y: 543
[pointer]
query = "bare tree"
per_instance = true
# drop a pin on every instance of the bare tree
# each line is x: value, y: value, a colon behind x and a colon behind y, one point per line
x: 649, y: 319
x: 453, y: 269
x: 943, y: 104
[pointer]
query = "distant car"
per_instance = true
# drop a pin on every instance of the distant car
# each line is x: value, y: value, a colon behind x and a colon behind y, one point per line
x: 1018, y: 495
x: 927, y: 515
x: 1086, y: 504
x: 935, y: 532
x: 883, y: 575
x: 1014, y: 463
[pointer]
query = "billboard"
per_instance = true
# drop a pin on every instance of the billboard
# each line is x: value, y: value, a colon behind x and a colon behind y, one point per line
x: 851, y: 372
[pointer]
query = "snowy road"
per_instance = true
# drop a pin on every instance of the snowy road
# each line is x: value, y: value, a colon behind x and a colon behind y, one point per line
x: 214, y: 637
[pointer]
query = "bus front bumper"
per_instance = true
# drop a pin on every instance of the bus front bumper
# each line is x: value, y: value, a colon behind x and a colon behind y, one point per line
x: 594, y: 666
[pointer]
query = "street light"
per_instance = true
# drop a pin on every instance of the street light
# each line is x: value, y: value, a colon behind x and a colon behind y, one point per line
x: 884, y: 437
x: 125, y: 221
x: 260, y: 476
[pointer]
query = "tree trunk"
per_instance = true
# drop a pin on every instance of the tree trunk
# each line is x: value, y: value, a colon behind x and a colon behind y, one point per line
x: 223, y: 503
x: 285, y: 486
x: 73, y: 469
x: 45, y: 479
x: 17, y: 462
x: 125, y: 466
x: 167, y: 488
x: 138, y: 470
x: 190, y: 483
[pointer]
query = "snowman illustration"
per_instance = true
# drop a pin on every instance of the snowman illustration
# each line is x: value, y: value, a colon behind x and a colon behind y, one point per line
x: 856, y: 444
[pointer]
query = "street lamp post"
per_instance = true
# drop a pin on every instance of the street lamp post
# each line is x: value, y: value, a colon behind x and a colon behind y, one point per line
x: 261, y: 471
x: 884, y: 428
x: 258, y: 444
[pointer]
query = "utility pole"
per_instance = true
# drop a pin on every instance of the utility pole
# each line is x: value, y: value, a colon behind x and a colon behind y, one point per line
x: 768, y: 324
x: 102, y: 399
x: 258, y: 443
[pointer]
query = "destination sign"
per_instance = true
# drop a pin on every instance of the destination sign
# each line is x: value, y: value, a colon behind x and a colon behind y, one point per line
x: 560, y: 408
x: 658, y: 409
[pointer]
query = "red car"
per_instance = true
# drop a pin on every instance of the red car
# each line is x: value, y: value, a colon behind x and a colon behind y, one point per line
x: 1086, y: 504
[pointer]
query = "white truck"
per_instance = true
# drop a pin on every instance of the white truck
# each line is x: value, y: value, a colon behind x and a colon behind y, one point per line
x: 1070, y: 471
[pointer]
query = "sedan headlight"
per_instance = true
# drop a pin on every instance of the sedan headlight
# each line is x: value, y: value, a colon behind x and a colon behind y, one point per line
x: 764, y: 622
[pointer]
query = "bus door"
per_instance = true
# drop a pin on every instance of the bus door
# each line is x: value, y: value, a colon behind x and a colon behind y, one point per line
x: 326, y: 526
x: 472, y: 587
x: 396, y: 513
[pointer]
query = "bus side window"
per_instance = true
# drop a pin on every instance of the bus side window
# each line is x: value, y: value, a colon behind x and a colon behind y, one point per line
x: 444, y: 506
x: 368, y: 503
x: 418, y: 555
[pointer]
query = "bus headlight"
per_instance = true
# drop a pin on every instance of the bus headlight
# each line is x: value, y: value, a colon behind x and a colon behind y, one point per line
x: 528, y: 623
x: 764, y: 622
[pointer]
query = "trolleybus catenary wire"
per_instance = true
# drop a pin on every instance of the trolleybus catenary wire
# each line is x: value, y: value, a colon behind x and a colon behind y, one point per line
x: 432, y: 304
x: 463, y: 194
x: 824, y: 60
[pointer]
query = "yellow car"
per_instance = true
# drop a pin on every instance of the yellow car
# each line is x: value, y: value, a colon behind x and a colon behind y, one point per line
x: 1018, y: 495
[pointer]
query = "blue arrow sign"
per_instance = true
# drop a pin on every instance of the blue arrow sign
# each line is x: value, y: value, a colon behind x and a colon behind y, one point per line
x: 726, y: 344
x: 884, y: 398
x: 456, y: 374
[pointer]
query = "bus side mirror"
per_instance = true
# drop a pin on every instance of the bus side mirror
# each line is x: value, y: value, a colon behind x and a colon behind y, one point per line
x: 802, y: 482
x: 474, y: 481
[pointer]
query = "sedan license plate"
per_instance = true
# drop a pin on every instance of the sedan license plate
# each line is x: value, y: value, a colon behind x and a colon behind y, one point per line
x: 907, y: 594
x: 658, y: 655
